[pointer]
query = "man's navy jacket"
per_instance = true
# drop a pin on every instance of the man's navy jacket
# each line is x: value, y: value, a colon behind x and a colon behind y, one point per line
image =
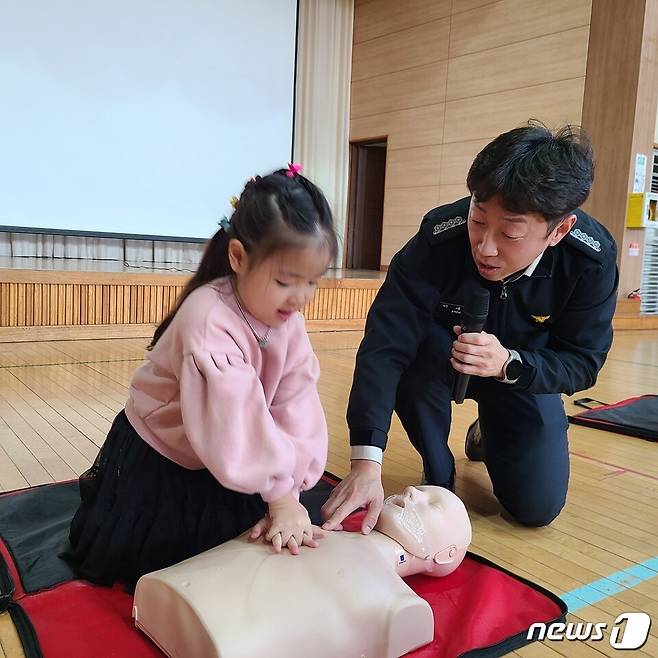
x: 559, y: 318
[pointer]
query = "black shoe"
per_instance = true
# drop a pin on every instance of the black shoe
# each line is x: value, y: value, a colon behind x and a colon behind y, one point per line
x: 473, y: 447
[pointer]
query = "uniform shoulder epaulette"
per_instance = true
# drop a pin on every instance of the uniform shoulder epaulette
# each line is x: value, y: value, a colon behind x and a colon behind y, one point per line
x: 446, y: 222
x: 591, y: 238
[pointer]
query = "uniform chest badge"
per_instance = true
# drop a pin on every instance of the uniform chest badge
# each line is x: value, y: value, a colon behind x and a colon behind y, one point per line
x: 540, y: 319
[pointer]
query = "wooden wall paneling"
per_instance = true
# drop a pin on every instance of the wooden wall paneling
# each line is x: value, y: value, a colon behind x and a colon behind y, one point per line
x: 29, y: 304
x: 159, y: 304
x: 76, y: 303
x: 94, y: 304
x: 621, y: 129
x: 45, y: 304
x: 125, y: 304
x: 506, y: 61
x: 415, y: 167
x: 406, y: 206
x: 316, y: 309
x: 61, y: 303
x: 643, y: 138
x: 105, y: 304
x: 4, y: 304
x: 98, y: 310
x: 171, y: 295
x: 141, y: 303
x: 102, y: 300
x: 343, y: 309
x: 506, y: 21
x: 554, y: 103
x: 12, y: 304
x: 112, y: 311
x: 102, y: 307
x: 450, y: 193
x: 560, y: 56
x: 393, y: 238
x: 61, y: 309
x: 356, y: 296
x: 456, y: 160
x: 53, y: 305
x: 331, y: 309
x: 309, y: 309
x: 326, y: 304
x: 153, y: 309
x: 91, y: 303
x: 354, y: 302
x: 375, y: 19
x: 350, y: 302
x: 365, y: 303
x: 422, y: 85
x: 147, y: 304
x: 20, y: 301
x: 68, y: 292
x: 38, y: 304
x: 416, y: 126
x: 403, y: 49
x: 133, y: 305
x: 84, y: 310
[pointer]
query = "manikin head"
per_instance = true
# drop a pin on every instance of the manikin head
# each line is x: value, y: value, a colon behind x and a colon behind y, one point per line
x: 431, y: 524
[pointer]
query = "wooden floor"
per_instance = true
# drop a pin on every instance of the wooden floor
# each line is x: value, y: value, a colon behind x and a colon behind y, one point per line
x: 57, y: 400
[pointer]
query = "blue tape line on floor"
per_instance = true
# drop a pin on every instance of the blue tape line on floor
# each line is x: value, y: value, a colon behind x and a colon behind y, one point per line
x: 600, y: 589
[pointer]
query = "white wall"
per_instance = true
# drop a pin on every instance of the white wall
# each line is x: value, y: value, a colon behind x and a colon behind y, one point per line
x: 140, y: 116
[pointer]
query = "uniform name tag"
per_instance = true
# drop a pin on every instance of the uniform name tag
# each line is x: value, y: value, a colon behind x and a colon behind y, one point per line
x: 452, y: 309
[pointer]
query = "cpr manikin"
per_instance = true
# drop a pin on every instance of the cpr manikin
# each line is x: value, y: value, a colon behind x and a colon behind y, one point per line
x: 344, y: 599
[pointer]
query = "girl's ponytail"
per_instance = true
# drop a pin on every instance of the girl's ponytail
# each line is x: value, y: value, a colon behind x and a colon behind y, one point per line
x: 214, y: 264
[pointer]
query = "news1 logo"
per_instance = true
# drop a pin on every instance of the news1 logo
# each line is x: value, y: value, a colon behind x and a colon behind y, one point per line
x: 629, y: 631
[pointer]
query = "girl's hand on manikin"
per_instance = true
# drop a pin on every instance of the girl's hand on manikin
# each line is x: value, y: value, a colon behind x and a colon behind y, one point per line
x: 287, y: 525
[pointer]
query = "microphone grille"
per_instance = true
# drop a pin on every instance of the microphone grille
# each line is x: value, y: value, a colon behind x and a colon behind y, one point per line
x: 478, y: 304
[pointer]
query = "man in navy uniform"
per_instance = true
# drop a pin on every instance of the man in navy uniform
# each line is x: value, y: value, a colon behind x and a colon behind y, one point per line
x: 552, y: 277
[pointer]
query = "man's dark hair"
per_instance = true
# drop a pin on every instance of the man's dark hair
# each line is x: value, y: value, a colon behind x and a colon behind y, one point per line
x: 534, y: 170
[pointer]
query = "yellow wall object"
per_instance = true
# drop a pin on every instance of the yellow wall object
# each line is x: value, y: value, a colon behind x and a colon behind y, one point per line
x: 635, y: 210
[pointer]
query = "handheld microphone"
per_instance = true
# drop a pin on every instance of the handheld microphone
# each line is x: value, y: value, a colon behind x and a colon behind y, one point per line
x: 474, y: 315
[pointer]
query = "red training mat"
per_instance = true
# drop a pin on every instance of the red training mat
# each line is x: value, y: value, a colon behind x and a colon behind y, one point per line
x: 480, y: 611
x: 475, y: 607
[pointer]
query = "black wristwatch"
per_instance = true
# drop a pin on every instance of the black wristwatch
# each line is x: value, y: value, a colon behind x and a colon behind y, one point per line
x: 513, y: 368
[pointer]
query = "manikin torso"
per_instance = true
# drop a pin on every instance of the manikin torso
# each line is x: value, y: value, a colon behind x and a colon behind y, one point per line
x: 333, y: 603
x: 344, y: 599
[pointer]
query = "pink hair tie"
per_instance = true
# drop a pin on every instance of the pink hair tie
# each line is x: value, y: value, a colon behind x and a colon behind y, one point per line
x: 293, y: 170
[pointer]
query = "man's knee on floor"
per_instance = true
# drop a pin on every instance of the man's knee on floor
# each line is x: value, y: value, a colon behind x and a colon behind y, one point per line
x: 535, y: 513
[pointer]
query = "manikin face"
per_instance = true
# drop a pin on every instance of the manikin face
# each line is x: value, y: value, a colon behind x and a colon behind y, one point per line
x: 273, y: 289
x: 429, y: 523
x: 504, y: 242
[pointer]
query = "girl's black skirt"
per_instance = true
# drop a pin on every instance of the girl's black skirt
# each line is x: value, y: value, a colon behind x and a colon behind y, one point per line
x: 140, y: 511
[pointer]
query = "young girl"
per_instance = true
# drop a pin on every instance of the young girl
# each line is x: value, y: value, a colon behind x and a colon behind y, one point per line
x: 223, y: 427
